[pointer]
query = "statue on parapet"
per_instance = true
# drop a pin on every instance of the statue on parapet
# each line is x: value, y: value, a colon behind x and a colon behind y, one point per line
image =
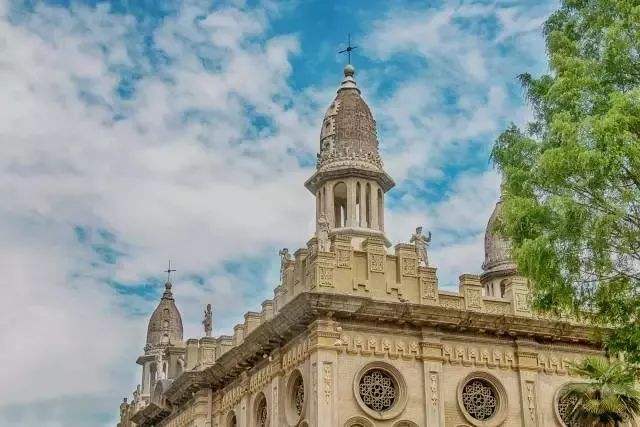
x: 421, y: 243
x: 207, y: 322
x: 324, y: 245
x: 285, y: 257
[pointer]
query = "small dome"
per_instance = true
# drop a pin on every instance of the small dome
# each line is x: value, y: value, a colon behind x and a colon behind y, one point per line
x: 497, y: 249
x: 348, y: 130
x: 165, y: 324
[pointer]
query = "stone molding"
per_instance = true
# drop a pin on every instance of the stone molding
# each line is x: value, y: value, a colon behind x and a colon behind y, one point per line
x: 298, y: 314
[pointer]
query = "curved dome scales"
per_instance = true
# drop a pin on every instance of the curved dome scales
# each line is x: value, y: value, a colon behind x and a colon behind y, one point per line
x: 498, y: 261
x: 165, y: 324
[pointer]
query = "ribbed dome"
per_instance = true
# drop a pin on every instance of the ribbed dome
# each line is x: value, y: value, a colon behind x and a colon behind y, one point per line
x: 165, y: 324
x: 497, y: 249
x: 348, y: 129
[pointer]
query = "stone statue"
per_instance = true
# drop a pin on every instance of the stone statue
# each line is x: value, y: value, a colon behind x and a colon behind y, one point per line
x: 123, y: 408
x: 421, y: 242
x: 207, y: 321
x: 285, y: 257
x: 324, y: 245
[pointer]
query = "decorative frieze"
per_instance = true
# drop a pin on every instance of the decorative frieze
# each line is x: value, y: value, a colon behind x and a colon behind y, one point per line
x: 183, y: 418
x: 232, y: 396
x: 260, y: 379
x: 296, y: 355
x: 497, y: 307
x: 475, y: 356
x: 553, y: 363
x: 451, y: 301
x: 372, y: 345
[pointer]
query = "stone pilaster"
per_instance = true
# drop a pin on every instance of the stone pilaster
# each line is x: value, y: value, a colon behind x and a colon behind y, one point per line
x: 275, y: 401
x: 471, y: 290
x: 376, y: 260
x: 323, y: 374
x: 527, y: 356
x: 431, y: 349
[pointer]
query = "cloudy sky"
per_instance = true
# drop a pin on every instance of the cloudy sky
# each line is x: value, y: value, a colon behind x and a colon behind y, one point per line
x: 133, y: 132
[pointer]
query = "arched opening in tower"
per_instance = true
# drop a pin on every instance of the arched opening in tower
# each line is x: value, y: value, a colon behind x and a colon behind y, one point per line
x: 340, y: 204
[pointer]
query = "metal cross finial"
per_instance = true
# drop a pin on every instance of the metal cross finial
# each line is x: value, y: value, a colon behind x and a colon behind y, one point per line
x: 349, y: 49
x: 169, y: 271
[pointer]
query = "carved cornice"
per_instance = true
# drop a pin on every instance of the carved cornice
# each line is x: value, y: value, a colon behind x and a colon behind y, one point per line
x: 150, y: 415
x: 349, y: 171
x: 297, y: 315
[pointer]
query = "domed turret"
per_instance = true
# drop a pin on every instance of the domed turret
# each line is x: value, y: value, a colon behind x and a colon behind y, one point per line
x: 165, y: 324
x: 498, y: 264
x: 348, y: 135
x: 497, y: 249
x: 350, y: 182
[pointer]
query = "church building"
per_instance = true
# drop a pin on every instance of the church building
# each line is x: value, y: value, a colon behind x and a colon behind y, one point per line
x: 358, y: 333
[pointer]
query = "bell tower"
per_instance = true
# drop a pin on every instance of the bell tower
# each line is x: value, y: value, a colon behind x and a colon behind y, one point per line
x: 350, y: 183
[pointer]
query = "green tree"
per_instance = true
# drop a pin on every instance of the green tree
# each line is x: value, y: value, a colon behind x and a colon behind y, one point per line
x: 572, y: 177
x: 608, y: 397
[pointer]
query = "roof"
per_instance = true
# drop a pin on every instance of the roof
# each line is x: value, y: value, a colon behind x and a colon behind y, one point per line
x: 165, y: 324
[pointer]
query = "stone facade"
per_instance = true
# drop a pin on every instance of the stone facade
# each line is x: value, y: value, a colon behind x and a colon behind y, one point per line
x: 359, y: 334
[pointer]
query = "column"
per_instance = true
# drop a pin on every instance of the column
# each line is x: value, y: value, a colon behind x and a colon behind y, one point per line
x: 363, y: 205
x: 374, y: 206
x: 351, y: 203
x: 329, y: 209
x: 318, y: 205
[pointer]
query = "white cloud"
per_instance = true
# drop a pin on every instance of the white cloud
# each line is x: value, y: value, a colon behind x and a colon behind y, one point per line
x: 200, y: 191
x: 181, y: 170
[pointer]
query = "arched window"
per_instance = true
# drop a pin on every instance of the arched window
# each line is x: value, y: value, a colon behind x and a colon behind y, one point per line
x: 262, y: 413
x: 231, y: 419
x: 340, y: 204
x: 380, y: 210
x: 368, y: 206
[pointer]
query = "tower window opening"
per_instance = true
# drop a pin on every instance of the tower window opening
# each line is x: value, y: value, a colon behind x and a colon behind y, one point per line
x: 340, y: 204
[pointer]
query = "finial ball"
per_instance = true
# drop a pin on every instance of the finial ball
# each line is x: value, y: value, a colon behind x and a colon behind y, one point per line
x: 349, y: 71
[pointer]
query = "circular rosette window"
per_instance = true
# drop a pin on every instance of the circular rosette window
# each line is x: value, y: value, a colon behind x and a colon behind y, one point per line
x: 295, y: 397
x: 564, y: 405
x: 482, y: 399
x: 380, y: 390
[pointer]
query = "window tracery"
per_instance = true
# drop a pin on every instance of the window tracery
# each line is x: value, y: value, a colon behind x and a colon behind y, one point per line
x: 262, y: 413
x: 378, y: 390
x: 480, y: 399
x: 298, y: 395
x: 564, y: 406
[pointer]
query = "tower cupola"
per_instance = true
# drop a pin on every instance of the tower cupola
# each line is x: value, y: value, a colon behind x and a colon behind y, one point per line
x: 165, y: 324
x: 498, y: 262
x: 350, y: 182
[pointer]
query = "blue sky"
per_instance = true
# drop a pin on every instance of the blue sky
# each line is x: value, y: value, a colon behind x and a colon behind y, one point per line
x: 137, y: 131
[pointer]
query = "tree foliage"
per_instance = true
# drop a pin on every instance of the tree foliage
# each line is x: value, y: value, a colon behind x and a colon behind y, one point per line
x: 609, y: 395
x: 572, y: 177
